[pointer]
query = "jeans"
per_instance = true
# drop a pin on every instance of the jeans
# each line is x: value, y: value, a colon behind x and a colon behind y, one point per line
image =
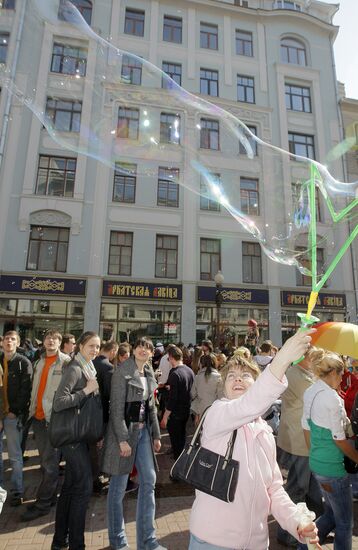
x: 146, y: 538
x: 74, y: 498
x: 13, y: 431
x: 49, y: 460
x: 300, y: 485
x: 198, y: 544
x: 177, y: 433
x: 338, y: 511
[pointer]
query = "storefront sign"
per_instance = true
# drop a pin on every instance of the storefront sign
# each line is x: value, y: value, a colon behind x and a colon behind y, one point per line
x: 329, y: 301
x: 43, y: 285
x: 121, y: 289
x: 234, y: 295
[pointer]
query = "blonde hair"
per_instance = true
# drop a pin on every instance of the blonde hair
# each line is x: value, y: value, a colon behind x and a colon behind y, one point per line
x: 324, y: 362
x: 237, y: 363
x: 242, y: 351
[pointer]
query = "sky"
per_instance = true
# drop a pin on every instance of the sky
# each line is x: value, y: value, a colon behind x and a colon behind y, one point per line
x: 346, y: 45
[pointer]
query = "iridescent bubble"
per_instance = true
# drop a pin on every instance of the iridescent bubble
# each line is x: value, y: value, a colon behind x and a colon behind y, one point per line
x: 134, y: 118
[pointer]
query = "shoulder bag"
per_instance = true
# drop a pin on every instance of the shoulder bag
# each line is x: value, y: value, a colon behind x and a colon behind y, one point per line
x: 206, y: 470
x: 81, y: 423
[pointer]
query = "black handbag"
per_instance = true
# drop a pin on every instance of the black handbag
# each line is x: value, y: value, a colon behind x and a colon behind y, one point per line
x: 76, y: 424
x: 206, y: 470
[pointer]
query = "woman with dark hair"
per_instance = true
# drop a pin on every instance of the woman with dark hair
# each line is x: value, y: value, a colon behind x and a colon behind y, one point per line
x: 207, y: 386
x: 78, y: 381
x: 133, y: 432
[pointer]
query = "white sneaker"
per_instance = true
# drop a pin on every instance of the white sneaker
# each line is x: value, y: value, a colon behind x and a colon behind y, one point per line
x: 160, y: 547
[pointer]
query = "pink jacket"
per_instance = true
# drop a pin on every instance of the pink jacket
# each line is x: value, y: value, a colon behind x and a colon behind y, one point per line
x: 242, y: 524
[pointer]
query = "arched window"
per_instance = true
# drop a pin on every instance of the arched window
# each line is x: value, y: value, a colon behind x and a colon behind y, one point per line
x: 293, y: 51
x: 83, y: 6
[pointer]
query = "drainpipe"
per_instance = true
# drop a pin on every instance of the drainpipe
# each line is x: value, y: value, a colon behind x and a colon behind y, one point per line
x: 6, y: 118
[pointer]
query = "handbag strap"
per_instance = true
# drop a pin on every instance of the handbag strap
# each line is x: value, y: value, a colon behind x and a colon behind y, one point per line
x: 197, y: 436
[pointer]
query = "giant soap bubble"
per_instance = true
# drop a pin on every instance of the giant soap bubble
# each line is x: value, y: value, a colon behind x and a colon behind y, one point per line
x: 133, y: 117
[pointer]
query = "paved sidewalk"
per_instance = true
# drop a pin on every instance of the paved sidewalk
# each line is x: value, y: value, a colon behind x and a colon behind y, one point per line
x: 174, y: 502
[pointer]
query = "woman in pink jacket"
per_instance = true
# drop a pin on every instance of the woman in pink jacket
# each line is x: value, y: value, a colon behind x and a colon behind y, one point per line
x: 242, y: 524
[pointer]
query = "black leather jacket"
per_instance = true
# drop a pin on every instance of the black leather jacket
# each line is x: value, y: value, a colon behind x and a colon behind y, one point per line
x: 19, y: 385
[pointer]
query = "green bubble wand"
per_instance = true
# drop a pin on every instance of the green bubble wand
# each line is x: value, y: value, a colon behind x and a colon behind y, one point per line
x: 307, y: 319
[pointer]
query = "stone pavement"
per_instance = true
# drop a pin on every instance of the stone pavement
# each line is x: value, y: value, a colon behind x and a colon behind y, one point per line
x: 172, y: 518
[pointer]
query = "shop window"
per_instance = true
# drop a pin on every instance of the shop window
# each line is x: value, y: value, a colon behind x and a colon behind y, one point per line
x: 209, y: 82
x: 134, y: 22
x: 166, y: 256
x: 128, y: 123
x: 209, y: 36
x: 120, y: 253
x: 172, y: 29
x: 83, y: 6
x: 7, y: 307
x: 63, y: 114
x: 125, y: 181
x: 68, y: 59
x: 4, y: 44
x: 56, y: 176
x: 170, y: 128
x: 210, y: 258
x: 48, y: 248
x: 168, y: 187
x: 251, y: 263
x: 209, y: 134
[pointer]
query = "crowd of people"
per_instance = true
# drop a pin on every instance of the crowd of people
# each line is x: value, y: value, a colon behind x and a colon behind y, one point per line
x: 145, y: 389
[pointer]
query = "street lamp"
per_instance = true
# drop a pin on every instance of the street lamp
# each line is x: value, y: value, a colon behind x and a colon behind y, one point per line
x: 219, y: 281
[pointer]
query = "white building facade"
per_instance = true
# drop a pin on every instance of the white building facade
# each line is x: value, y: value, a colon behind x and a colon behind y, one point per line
x: 85, y: 247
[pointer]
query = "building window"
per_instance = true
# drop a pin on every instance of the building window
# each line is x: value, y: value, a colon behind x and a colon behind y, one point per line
x: 305, y: 261
x: 252, y: 141
x: 131, y: 70
x: 172, y: 29
x: 244, y: 43
x: 293, y: 51
x: 128, y: 123
x: 296, y: 199
x: 301, y: 144
x: 209, y: 134
x: 48, y: 248
x: 64, y: 115
x: 166, y: 256
x: 4, y: 43
x: 210, y: 258
x: 168, y: 187
x: 7, y: 4
x: 207, y: 200
x: 83, y: 6
x: 249, y: 196
x: 134, y: 22
x: 251, y: 263
x: 120, y: 253
x: 56, y: 176
x: 298, y: 98
x: 169, y: 128
x: 174, y: 71
x: 286, y: 5
x: 208, y: 36
x: 68, y: 60
x: 209, y: 82
x: 245, y: 89
x: 124, y: 184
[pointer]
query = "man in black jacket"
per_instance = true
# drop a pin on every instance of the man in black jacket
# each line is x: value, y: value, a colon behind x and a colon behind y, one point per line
x: 14, y: 402
x: 180, y: 381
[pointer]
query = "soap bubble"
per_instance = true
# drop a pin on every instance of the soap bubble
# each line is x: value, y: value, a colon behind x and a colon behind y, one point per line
x: 118, y: 108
